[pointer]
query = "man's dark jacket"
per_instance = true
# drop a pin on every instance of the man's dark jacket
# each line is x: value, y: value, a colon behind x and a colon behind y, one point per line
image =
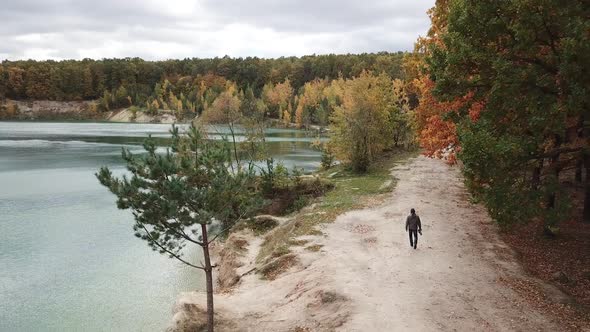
x: 413, y: 223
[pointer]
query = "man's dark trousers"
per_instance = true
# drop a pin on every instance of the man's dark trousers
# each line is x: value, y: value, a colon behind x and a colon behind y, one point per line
x: 414, y: 235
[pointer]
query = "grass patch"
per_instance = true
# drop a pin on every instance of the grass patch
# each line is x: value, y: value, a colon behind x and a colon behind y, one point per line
x: 314, y: 248
x: 259, y: 225
x: 292, y: 198
x: 271, y: 270
x: 350, y: 191
x: 331, y: 297
x: 281, y: 250
x: 298, y: 243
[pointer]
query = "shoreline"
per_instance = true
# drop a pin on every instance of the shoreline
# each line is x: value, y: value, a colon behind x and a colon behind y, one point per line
x: 80, y: 111
x: 49, y: 110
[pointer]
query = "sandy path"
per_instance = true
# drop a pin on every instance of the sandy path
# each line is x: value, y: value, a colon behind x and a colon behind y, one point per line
x: 448, y: 283
x: 367, y: 278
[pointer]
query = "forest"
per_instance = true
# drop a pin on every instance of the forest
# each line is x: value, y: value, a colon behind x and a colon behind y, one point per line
x: 509, y: 101
x: 504, y: 91
x: 186, y: 86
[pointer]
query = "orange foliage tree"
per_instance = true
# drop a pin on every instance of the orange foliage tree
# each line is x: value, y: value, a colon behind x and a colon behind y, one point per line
x: 437, y: 133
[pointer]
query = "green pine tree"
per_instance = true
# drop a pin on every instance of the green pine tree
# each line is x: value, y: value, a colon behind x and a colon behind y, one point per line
x: 176, y: 196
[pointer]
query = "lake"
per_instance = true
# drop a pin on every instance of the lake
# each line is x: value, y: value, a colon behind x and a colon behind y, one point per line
x: 68, y: 257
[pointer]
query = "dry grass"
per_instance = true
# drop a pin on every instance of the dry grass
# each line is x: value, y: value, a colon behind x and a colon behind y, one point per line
x: 314, y: 248
x: 295, y: 242
x: 257, y: 225
x: 271, y: 270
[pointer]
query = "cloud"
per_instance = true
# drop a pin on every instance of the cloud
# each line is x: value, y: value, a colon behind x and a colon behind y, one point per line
x: 154, y: 29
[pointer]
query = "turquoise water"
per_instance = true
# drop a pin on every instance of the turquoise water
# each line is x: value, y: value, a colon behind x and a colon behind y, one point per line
x: 68, y: 257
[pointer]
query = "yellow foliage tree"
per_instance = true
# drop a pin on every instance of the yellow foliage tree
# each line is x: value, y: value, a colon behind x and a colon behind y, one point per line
x: 225, y: 108
x: 364, y: 124
x: 309, y: 101
x: 11, y: 109
x: 277, y: 97
x: 287, y: 117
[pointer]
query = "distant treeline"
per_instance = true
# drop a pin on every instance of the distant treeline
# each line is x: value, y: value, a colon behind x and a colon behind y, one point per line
x: 133, y: 81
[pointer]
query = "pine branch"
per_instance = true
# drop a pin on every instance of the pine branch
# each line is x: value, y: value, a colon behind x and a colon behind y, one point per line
x: 167, y: 250
x: 226, y: 229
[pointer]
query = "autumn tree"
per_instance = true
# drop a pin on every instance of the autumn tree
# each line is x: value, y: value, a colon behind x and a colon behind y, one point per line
x: 401, y: 118
x: 226, y: 110
x: 436, y: 130
x: 121, y: 97
x: 253, y: 120
x: 524, y: 84
x: 38, y: 82
x: 105, y: 101
x: 9, y: 110
x: 88, y: 88
x: 287, y: 115
x: 16, y: 83
x: 309, y: 102
x: 362, y: 126
x: 277, y: 97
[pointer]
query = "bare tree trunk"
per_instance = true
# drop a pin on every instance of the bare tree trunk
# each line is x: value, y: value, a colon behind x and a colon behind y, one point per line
x: 536, y: 180
x: 233, y: 137
x: 209, y: 280
x: 554, y: 160
x: 551, y: 199
x: 579, y: 168
x: 584, y: 133
x: 580, y: 163
x: 587, y: 189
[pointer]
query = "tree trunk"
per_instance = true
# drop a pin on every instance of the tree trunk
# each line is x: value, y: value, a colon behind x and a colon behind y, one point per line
x: 554, y: 161
x: 579, y: 168
x: 580, y: 163
x: 233, y: 137
x: 587, y: 189
x: 209, y: 280
x: 536, y: 179
x: 551, y: 197
x: 584, y: 134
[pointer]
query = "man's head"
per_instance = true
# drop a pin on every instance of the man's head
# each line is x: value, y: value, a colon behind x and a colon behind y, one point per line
x: 412, y: 211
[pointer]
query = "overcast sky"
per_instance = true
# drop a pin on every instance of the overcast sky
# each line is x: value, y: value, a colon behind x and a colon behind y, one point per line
x: 162, y: 29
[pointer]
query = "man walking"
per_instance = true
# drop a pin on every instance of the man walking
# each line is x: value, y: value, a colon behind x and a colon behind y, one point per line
x: 414, y: 226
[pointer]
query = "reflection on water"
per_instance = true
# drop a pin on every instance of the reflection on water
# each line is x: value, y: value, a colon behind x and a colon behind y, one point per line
x: 68, y: 260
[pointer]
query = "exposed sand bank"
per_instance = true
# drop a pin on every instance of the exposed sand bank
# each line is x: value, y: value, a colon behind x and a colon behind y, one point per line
x: 78, y: 110
x: 125, y: 115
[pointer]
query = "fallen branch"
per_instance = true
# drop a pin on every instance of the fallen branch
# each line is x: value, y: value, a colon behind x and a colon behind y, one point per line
x: 248, y: 272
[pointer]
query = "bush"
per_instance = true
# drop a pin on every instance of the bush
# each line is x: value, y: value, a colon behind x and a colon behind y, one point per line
x: 261, y: 224
x: 274, y: 177
x: 299, y: 203
x: 327, y: 160
x: 133, y: 110
x: 296, y: 176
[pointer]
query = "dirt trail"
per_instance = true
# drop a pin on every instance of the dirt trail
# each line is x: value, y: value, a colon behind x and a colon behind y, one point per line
x: 449, y: 283
x: 368, y: 278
